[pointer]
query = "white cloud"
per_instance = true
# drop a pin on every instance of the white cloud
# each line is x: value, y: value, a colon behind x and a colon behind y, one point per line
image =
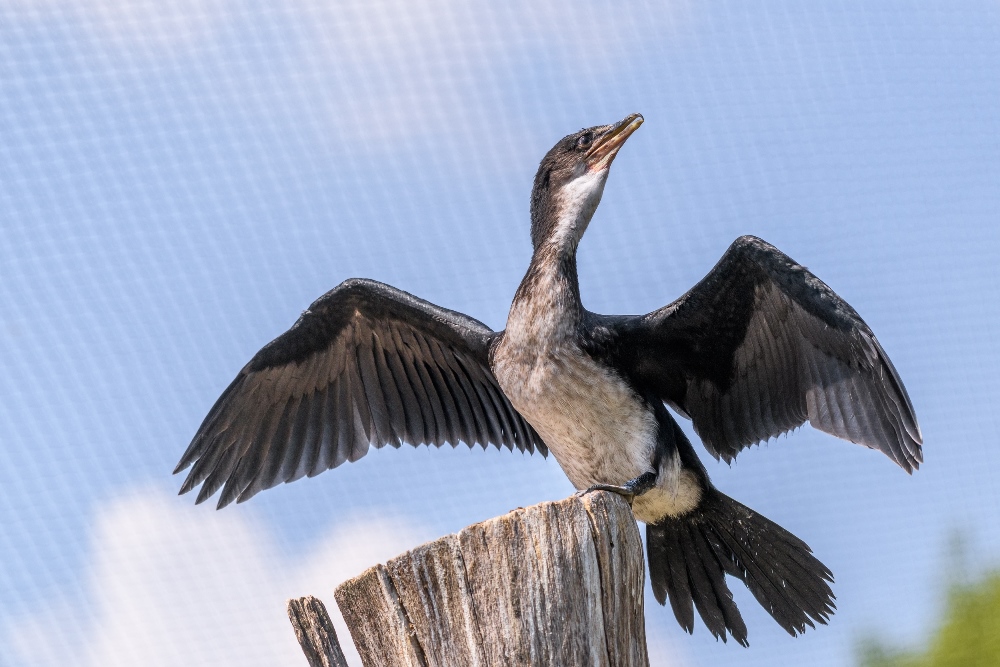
x: 170, y: 584
x: 173, y: 585
x: 663, y: 652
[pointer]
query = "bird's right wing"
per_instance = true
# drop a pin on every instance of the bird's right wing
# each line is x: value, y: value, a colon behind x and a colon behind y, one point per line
x: 366, y: 365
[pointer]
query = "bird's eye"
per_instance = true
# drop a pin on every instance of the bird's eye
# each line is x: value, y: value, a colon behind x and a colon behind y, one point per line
x: 585, y: 140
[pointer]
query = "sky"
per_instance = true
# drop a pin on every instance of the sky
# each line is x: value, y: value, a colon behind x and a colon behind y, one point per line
x: 178, y: 181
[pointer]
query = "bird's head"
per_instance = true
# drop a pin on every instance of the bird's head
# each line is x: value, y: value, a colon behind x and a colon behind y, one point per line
x: 570, y: 181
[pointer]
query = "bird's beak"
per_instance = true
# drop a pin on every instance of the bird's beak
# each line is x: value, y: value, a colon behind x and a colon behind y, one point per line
x: 607, y: 145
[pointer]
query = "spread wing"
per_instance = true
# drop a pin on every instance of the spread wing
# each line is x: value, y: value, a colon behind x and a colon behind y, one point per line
x: 367, y: 364
x: 760, y: 346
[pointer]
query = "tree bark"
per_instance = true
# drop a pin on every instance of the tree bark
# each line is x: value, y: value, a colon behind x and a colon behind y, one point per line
x: 558, y: 583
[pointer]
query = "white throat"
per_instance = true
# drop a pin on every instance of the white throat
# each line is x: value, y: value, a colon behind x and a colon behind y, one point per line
x: 576, y: 203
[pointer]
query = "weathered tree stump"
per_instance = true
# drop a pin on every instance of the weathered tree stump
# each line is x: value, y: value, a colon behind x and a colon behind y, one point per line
x: 553, y: 584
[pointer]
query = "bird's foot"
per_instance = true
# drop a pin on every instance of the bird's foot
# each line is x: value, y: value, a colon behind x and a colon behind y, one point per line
x: 629, y: 490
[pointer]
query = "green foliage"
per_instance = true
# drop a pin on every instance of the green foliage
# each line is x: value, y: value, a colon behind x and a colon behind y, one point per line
x: 969, y: 635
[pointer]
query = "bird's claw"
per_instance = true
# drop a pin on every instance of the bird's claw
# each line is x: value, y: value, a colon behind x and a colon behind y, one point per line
x: 629, y: 490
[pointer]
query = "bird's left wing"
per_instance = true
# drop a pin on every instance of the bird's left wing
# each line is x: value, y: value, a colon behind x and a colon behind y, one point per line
x: 366, y: 365
x: 761, y: 345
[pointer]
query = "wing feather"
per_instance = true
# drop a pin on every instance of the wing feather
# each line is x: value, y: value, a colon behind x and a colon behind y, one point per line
x: 759, y: 347
x: 366, y: 366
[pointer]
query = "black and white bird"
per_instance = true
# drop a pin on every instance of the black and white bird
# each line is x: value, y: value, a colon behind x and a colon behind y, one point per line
x: 757, y: 348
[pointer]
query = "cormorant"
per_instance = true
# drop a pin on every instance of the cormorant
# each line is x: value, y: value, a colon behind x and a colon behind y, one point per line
x: 755, y: 349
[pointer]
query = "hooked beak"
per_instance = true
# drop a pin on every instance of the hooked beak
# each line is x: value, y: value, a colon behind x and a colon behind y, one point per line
x: 606, y: 146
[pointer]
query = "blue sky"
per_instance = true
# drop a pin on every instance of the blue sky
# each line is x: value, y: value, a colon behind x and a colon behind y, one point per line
x: 178, y: 183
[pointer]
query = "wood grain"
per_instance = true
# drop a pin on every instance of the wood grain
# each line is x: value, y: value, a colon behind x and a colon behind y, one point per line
x: 315, y: 632
x: 558, y: 583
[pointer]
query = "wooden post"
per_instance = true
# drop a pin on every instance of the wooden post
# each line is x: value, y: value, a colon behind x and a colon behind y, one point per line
x: 558, y: 583
x: 315, y: 633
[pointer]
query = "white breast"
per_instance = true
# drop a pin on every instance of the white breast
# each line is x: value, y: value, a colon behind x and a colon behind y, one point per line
x: 596, y: 426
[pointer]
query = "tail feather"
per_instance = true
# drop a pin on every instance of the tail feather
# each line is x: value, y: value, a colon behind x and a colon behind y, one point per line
x: 668, y: 570
x: 686, y: 565
x: 690, y: 555
x: 777, y: 594
x: 720, y: 606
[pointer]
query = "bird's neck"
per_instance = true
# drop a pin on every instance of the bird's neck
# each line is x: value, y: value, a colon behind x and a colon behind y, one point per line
x: 547, y: 305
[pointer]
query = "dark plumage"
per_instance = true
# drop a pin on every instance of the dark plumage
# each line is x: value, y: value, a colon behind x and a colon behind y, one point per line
x: 761, y: 345
x: 367, y: 364
x: 757, y: 348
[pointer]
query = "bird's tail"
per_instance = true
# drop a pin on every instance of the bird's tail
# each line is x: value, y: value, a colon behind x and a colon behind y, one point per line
x: 690, y: 555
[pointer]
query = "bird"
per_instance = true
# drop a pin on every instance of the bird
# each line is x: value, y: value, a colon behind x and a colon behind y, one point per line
x: 757, y: 348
